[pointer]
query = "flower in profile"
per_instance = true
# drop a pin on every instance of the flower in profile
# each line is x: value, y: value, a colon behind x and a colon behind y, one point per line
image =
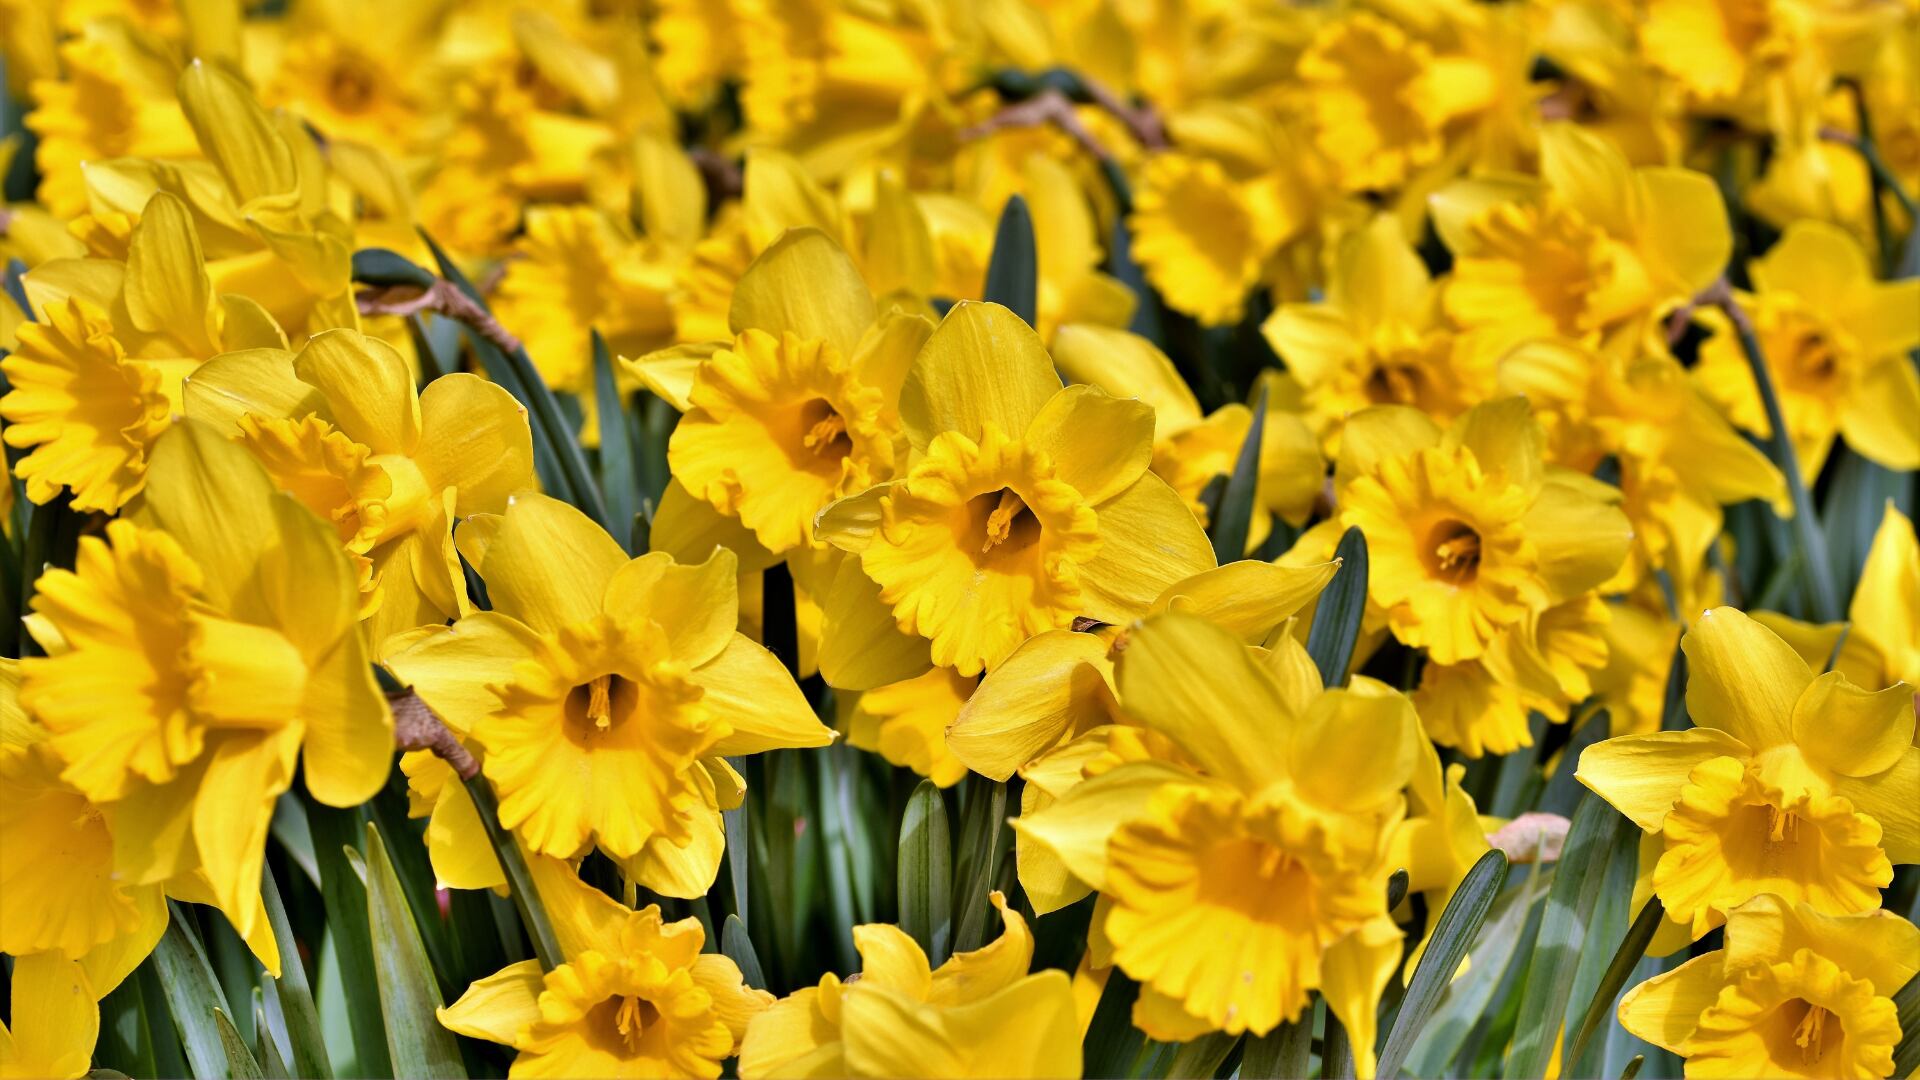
x: 1591, y: 250
x: 1467, y: 531
x: 1792, y: 785
x: 1836, y: 343
x: 195, y: 654
x: 978, y: 1014
x: 633, y: 997
x: 1794, y: 992
x: 604, y: 692
x: 340, y: 427
x: 89, y: 413
x: 1271, y: 843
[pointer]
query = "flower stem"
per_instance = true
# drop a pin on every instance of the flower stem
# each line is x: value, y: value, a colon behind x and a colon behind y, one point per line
x: 1812, y: 542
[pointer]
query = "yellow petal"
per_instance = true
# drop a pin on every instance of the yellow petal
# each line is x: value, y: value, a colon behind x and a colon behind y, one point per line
x: 981, y: 365
x: 231, y: 815
x: 970, y: 976
x: 349, y: 739
x: 1887, y: 798
x: 1076, y: 826
x: 258, y: 381
x: 237, y: 136
x: 689, y: 529
x: 780, y: 195
x: 1374, y: 435
x: 1355, y: 972
x: 499, y: 1007
x: 1504, y: 438
x: 1149, y: 540
x: 1742, y: 679
x: 698, y: 606
x: 217, y: 502
x: 1877, y: 946
x: 1666, y: 1009
x: 734, y: 1003
x: 1195, y: 683
x: 1852, y: 731
x: 167, y: 289
x: 451, y: 667
x: 1126, y: 365
x: 750, y: 689
x: 893, y: 960
x: 55, y: 1020
x: 112, y: 961
x: 1354, y: 749
x: 1052, y: 684
x: 474, y: 438
x: 1641, y: 775
x: 793, y: 1038
x: 679, y: 871
x: 670, y: 372
x: 1099, y: 444
x: 1248, y: 598
x: 1027, y: 1029
x: 1683, y: 220
x: 368, y: 387
x: 1886, y: 605
x: 1877, y: 417
x: 861, y: 646
x: 1581, y: 540
x: 549, y: 565
x: 1590, y: 173
x: 805, y: 285
x: 1813, y: 641
x: 1818, y: 262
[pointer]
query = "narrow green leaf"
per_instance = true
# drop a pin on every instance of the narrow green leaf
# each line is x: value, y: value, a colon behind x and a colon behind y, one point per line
x: 1283, y: 1053
x: 1609, y: 924
x: 292, y: 992
x: 533, y: 913
x: 416, y: 1042
x: 828, y: 781
x: 1336, y: 1050
x: 169, y: 1057
x: 1397, y: 888
x: 1592, y: 839
x: 1632, y: 948
x: 1906, y: 1003
x: 1235, y: 516
x: 335, y: 831
x: 1457, y: 929
x: 273, y: 1066
x: 1200, y: 1058
x: 735, y: 823
x: 240, y: 1063
x: 617, y: 478
x: 985, y: 840
x: 380, y: 266
x: 126, y: 1030
x: 1013, y: 274
x: 1336, y: 621
x: 1633, y: 1067
x: 192, y: 994
x: 1112, y: 1041
x: 926, y: 872
x: 737, y: 947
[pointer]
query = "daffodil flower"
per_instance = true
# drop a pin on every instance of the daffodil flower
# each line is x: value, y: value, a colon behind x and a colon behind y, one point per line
x: 980, y: 1014
x: 1544, y: 663
x: 604, y: 692
x: 634, y: 997
x: 112, y: 101
x: 1836, y: 341
x: 1264, y: 833
x: 1794, y: 992
x: 195, y: 654
x: 1468, y: 532
x: 1880, y: 641
x: 340, y: 427
x: 1026, y: 505
x: 1792, y: 785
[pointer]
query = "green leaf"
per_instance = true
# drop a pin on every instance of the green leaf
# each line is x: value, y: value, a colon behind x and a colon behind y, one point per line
x: 1459, y: 924
x: 416, y: 1042
x: 380, y: 266
x: 533, y: 913
x: 1235, y: 515
x: 334, y: 832
x: 1633, y: 1067
x: 1336, y: 621
x: 1625, y: 958
x: 292, y: 992
x: 1112, y: 1041
x: 240, y: 1063
x: 126, y: 1030
x: 617, y: 478
x: 738, y: 843
x: 1013, y: 274
x: 1465, y: 1001
x: 1596, y: 833
x: 926, y: 872
x: 272, y: 1065
x: 192, y: 994
x: 985, y: 840
x: 1200, y: 1058
x: 829, y: 784
x: 736, y: 946
x: 1282, y: 1053
x: 1906, y: 1002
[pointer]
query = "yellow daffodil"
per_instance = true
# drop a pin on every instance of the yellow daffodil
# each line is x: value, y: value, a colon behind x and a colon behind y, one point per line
x: 1591, y: 249
x: 56, y: 1020
x: 604, y: 692
x: 1836, y: 342
x: 1468, y: 533
x: 906, y: 722
x: 1272, y: 849
x: 194, y: 653
x: 1792, y: 785
x: 1029, y: 505
x: 1794, y: 992
x: 1378, y: 339
x: 980, y: 1014
x: 1204, y: 236
x: 339, y: 426
x: 1382, y: 100
x: 1544, y: 663
x: 634, y: 997
x: 114, y: 99
x: 1440, y: 839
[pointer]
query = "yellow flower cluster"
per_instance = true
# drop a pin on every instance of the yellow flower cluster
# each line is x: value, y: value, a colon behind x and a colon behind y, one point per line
x: 1239, y: 453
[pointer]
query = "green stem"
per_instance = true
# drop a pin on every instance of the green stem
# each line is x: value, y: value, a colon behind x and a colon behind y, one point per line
x: 546, y: 945
x: 1882, y: 175
x: 1812, y: 542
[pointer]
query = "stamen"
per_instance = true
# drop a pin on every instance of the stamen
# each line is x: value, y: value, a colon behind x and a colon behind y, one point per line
x: 1782, y: 825
x: 600, y: 702
x: 1000, y: 522
x: 1808, y: 1034
x: 1460, y: 551
x: 820, y: 438
x: 627, y: 1021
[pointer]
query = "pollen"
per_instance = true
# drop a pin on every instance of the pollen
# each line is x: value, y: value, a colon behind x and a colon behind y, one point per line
x: 1000, y: 523
x: 600, y: 702
x: 1808, y: 1033
x: 824, y: 433
x: 1456, y: 551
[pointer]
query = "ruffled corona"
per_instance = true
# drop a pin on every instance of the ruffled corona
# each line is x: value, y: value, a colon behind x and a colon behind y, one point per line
x: 1731, y: 837
x: 330, y: 474
x: 983, y: 548
x: 1200, y: 235
x: 1261, y: 883
x: 88, y: 412
x: 1375, y: 115
x: 779, y: 427
x: 1801, y: 1017
x: 1541, y: 267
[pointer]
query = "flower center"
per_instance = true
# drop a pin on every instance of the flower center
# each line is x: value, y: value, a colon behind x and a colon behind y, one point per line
x: 632, y: 1018
x: 596, y: 705
x: 1456, y: 551
x: 1009, y: 523
x: 1808, y: 1032
x: 826, y: 430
